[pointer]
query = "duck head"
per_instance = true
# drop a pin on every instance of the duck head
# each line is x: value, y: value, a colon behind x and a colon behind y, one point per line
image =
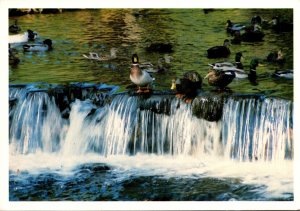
x: 173, y: 86
x: 210, y: 73
x: 48, y: 42
x: 253, y: 64
x: 229, y: 23
x: 135, y: 59
x: 31, y: 35
x: 226, y: 43
x: 239, y: 57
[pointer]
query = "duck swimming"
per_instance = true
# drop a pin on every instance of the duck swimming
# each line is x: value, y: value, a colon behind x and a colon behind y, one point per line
x: 287, y: 74
x: 252, y: 34
x: 45, y: 46
x: 13, y: 59
x: 96, y: 56
x: 237, y: 68
x: 15, y: 28
x: 281, y: 26
x: 231, y: 28
x: 188, y: 86
x: 140, y: 77
x: 219, y: 51
x: 276, y: 57
x: 22, y: 38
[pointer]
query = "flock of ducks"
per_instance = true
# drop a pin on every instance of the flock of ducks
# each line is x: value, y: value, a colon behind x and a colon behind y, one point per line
x: 27, y: 40
x: 220, y: 74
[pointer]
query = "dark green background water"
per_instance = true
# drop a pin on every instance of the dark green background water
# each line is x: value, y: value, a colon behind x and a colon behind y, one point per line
x: 190, y: 31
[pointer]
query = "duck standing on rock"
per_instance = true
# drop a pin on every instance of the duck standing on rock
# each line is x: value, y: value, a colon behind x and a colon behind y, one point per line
x: 188, y: 86
x: 219, y: 51
x: 140, y: 77
x: 45, y: 46
x: 220, y: 79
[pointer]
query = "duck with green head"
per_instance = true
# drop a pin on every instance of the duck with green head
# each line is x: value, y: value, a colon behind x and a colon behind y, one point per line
x: 140, y: 77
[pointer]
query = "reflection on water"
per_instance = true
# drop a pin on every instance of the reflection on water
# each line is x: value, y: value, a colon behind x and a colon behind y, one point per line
x: 190, y: 31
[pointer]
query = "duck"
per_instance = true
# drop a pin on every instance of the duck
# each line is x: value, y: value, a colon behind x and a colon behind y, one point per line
x: 15, y: 28
x: 280, y: 26
x: 162, y: 65
x: 219, y: 51
x: 45, y: 46
x: 231, y: 28
x: 252, y: 73
x: 140, y: 77
x: 97, y: 57
x: 276, y: 57
x: 23, y: 38
x: 13, y: 59
x: 252, y: 34
x: 237, y: 68
x: 286, y: 74
x: 256, y: 20
x: 188, y: 86
x: 219, y: 79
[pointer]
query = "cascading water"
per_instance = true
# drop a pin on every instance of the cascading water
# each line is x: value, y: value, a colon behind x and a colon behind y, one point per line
x: 250, y: 130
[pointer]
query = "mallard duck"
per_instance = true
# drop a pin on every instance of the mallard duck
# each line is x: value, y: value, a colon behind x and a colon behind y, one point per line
x: 138, y: 76
x: 96, y: 56
x: 237, y: 68
x: 13, y: 59
x: 256, y: 20
x: 231, y: 28
x: 219, y: 51
x: 281, y: 26
x: 21, y: 38
x: 15, y: 28
x: 160, y: 47
x: 276, y: 57
x: 188, y: 86
x: 162, y: 65
x: 252, y: 74
x: 252, y: 34
x: 219, y: 79
x: 45, y: 46
x: 287, y: 74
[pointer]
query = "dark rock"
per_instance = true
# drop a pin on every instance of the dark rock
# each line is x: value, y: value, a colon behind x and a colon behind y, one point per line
x: 208, y: 107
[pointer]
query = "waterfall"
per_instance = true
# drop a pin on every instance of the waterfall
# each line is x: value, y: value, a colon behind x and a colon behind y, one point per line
x: 249, y: 128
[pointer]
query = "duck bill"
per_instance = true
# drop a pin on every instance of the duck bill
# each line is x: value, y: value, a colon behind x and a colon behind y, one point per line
x: 173, y: 87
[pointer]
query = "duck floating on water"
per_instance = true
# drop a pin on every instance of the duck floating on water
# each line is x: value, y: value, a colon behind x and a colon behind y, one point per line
x: 22, y: 38
x: 252, y: 34
x: 15, y: 28
x: 237, y: 68
x: 219, y: 51
x: 140, y: 77
x: 45, y: 46
x: 13, y: 59
x: 231, y: 28
x: 286, y: 74
x: 276, y: 57
x: 188, y: 86
x: 281, y: 26
x: 97, y: 57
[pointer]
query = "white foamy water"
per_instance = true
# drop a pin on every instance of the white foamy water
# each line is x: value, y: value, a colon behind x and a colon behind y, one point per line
x: 252, y: 142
